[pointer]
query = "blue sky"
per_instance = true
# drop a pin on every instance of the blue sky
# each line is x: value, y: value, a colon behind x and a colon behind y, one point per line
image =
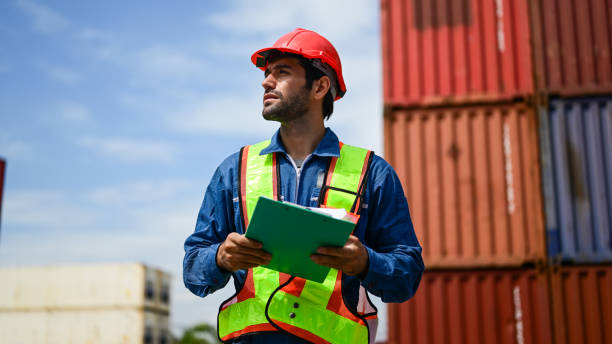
x: 114, y: 115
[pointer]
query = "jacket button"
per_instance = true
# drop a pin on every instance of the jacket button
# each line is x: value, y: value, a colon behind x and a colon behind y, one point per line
x: 296, y: 305
x: 291, y: 315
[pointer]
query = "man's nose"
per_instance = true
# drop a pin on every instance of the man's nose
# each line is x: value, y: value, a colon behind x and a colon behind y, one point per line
x: 268, y: 83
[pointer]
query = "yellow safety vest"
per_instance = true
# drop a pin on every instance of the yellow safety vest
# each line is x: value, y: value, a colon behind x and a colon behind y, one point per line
x: 273, y: 301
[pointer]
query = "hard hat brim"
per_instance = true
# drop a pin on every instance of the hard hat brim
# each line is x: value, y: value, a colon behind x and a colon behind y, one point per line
x: 260, y: 60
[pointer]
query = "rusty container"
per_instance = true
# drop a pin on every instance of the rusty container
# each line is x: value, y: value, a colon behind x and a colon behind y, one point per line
x: 572, y: 46
x: 440, y: 51
x: 582, y: 304
x: 471, y: 177
x: 576, y: 154
x: 471, y: 307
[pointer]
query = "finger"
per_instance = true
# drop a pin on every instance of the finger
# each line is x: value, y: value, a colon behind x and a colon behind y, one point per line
x: 332, y: 251
x: 240, y: 259
x: 249, y: 251
x: 352, y: 239
x: 256, y: 254
x: 328, y: 261
x: 241, y: 240
x: 345, y: 251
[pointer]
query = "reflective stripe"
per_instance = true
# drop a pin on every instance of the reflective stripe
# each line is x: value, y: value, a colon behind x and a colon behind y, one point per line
x: 327, y: 324
x: 250, y: 311
x: 320, y: 292
x: 311, y: 320
x: 259, y: 177
x: 312, y: 317
x: 349, y: 165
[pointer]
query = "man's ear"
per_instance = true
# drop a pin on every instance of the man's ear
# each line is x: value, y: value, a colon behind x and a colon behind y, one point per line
x: 321, y: 87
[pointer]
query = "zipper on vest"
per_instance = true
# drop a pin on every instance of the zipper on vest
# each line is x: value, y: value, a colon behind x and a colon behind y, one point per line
x: 298, y: 173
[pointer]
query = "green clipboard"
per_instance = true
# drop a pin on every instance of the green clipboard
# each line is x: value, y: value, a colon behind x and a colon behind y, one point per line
x: 291, y: 233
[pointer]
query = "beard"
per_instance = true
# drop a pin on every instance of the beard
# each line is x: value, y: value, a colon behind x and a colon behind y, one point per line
x: 287, y: 108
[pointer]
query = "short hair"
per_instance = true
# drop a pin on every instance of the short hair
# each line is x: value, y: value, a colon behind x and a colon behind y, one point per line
x: 312, y: 73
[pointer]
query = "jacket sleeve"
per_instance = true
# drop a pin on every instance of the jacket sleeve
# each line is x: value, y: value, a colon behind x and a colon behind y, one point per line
x: 395, y: 262
x: 201, y: 274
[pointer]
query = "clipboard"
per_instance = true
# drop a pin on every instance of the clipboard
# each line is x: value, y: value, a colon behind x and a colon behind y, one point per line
x: 291, y: 233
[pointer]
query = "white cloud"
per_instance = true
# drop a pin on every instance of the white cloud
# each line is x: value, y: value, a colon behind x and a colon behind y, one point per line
x: 46, y: 20
x: 130, y: 150
x: 163, y: 62
x: 90, y: 34
x: 11, y: 148
x: 225, y: 114
x: 44, y: 209
x: 139, y: 192
x: 168, y: 62
x: 61, y: 74
x: 334, y: 19
x: 101, y: 45
x: 74, y: 112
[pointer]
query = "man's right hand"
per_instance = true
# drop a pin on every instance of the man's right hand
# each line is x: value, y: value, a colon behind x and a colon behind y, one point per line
x: 239, y: 252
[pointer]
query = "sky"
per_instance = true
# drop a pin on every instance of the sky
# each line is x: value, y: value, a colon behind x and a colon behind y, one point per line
x: 115, y: 114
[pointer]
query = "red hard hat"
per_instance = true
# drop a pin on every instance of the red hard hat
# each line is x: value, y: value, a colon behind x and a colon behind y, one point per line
x: 306, y: 43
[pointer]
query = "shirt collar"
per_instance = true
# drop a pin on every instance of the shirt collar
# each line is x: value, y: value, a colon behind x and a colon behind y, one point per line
x: 329, y: 145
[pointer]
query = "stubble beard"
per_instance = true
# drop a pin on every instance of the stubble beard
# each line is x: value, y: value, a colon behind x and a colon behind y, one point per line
x: 287, y: 109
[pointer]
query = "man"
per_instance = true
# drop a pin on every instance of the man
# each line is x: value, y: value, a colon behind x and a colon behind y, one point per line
x: 303, y: 163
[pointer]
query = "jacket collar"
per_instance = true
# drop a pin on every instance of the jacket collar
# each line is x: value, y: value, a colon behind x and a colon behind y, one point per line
x: 329, y: 145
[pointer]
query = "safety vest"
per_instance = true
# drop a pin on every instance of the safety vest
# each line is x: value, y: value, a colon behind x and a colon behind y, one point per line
x: 274, y: 301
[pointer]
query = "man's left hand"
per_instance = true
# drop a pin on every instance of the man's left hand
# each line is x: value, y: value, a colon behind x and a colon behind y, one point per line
x: 352, y: 259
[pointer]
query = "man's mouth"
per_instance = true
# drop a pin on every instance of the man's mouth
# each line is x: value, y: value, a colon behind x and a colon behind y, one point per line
x: 270, y: 95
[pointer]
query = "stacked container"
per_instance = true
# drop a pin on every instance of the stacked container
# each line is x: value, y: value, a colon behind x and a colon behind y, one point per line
x: 102, y: 303
x: 498, y: 121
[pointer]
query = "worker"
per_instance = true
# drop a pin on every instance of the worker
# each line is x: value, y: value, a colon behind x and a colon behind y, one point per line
x: 304, y: 163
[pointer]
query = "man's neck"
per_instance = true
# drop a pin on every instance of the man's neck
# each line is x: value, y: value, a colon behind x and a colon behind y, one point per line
x: 301, y: 139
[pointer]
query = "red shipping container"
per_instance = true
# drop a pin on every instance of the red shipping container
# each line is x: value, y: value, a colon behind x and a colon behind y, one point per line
x: 572, y: 43
x: 472, y: 180
x: 582, y: 304
x: 437, y: 51
x: 453, y: 307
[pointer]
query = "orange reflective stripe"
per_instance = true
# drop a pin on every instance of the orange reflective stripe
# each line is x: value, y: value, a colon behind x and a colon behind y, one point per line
x: 295, y: 287
x: 311, y: 337
x: 336, y: 302
x: 244, y: 153
x: 264, y: 327
x: 248, y: 289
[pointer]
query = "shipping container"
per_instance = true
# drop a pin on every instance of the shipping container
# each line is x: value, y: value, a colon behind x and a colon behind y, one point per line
x: 582, y: 304
x: 472, y: 180
x: 84, y: 287
x: 472, y: 307
x: 576, y: 154
x: 126, y: 326
x: 437, y: 51
x: 572, y: 44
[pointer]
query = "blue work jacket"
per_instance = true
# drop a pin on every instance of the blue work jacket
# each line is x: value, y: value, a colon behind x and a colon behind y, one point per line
x: 384, y: 228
